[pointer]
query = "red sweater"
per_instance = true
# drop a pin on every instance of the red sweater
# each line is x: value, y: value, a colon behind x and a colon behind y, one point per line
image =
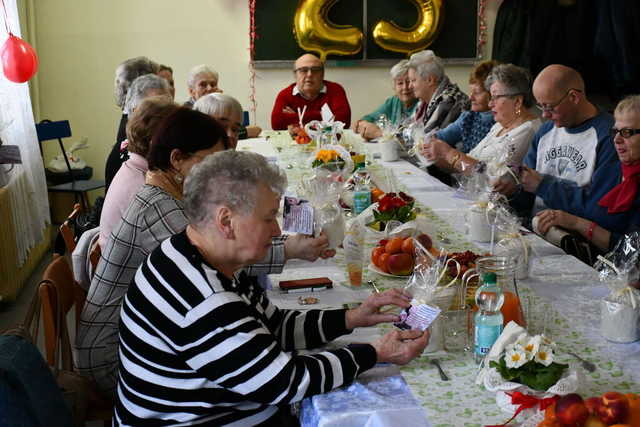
x: 334, y: 96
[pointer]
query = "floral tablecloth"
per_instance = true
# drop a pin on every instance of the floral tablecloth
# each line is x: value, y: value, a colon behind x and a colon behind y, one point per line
x: 562, y: 299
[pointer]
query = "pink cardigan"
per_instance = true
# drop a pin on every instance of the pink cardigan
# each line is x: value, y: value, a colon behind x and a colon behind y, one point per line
x: 123, y: 188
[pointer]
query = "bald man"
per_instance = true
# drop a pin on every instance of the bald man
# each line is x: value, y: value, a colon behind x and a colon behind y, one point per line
x: 312, y: 91
x: 571, y: 157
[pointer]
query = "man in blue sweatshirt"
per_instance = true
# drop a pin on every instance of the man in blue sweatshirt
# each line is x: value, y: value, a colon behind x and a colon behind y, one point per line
x: 571, y: 161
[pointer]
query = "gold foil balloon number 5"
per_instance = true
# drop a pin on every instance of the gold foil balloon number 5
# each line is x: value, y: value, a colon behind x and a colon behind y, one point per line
x: 390, y: 36
x: 316, y: 33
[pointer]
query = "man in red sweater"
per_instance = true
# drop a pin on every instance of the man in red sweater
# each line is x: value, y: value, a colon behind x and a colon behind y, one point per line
x: 312, y: 90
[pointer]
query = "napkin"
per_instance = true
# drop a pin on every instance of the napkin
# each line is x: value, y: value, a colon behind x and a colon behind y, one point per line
x: 326, y: 113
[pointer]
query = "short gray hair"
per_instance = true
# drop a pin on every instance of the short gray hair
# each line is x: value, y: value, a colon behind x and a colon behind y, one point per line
x: 229, y: 178
x: 127, y: 72
x: 140, y: 88
x: 426, y: 63
x: 517, y: 81
x: 197, y: 70
x: 400, y: 69
x: 629, y: 104
x: 218, y: 104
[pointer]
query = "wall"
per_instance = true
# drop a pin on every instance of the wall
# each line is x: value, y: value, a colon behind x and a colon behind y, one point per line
x: 80, y: 43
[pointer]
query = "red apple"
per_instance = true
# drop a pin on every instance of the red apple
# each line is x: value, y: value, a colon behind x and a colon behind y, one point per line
x: 400, y: 264
x: 592, y: 404
x: 614, y: 408
x: 571, y: 410
x: 425, y: 241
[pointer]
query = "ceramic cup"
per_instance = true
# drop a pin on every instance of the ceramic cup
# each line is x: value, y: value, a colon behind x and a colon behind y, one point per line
x: 388, y: 151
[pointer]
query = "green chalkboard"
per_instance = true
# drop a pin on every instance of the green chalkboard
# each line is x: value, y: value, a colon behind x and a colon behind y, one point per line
x: 276, y: 40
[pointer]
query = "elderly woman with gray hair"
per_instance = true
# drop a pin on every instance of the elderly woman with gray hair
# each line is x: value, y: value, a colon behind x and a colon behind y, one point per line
x: 508, y: 139
x: 226, y: 110
x: 200, y: 340
x: 140, y: 87
x: 395, y: 109
x: 441, y: 101
x: 202, y: 80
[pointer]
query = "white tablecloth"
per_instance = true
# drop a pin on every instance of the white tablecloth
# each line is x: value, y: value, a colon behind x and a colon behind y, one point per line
x: 561, y: 291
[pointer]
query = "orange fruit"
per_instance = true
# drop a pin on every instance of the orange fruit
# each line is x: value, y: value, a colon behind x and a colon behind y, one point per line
x: 394, y: 245
x: 383, y: 262
x: 407, y: 246
x: 375, y: 255
x: 376, y: 194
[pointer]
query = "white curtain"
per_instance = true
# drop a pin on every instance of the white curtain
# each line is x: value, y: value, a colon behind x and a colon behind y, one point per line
x: 26, y: 182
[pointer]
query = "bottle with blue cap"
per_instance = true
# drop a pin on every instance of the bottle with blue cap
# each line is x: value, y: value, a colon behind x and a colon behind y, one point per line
x: 488, y: 319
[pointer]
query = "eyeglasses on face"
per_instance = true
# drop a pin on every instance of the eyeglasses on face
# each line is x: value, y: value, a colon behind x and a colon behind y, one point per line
x: 305, y: 70
x: 624, y: 132
x: 550, y: 108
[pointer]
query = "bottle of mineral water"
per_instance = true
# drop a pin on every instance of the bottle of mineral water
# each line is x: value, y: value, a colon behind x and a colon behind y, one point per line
x: 361, y: 190
x: 488, y: 319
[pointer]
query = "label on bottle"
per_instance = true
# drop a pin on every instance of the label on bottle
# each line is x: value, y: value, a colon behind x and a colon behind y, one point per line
x: 485, y: 336
x: 361, y: 200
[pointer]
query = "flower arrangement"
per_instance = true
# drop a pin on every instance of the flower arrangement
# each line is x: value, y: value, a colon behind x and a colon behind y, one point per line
x: 329, y: 159
x: 393, y: 207
x: 529, y: 361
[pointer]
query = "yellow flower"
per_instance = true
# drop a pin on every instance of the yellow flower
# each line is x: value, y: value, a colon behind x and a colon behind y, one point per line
x: 326, y: 156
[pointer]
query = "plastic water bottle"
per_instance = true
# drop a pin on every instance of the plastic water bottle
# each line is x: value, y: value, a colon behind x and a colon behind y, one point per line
x: 488, y: 319
x: 361, y: 190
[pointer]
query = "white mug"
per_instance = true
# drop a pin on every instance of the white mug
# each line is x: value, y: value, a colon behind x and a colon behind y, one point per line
x: 389, y: 151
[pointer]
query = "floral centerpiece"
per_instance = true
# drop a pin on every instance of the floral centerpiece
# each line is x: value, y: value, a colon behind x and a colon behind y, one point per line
x: 393, y: 207
x: 333, y: 160
x: 522, y: 370
x: 529, y: 361
x: 329, y: 159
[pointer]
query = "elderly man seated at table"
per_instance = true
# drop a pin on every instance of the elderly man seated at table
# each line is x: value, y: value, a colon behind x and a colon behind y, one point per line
x: 312, y: 92
x: 396, y: 109
x: 472, y: 126
x: 441, y: 102
x: 141, y: 88
x: 570, y: 152
x: 509, y: 138
x: 618, y: 211
x: 200, y: 340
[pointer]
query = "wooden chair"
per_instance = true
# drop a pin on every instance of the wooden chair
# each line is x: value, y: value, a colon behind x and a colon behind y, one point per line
x: 59, y: 294
x: 67, y: 232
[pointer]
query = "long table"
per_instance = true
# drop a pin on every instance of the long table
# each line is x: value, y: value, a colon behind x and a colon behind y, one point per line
x: 560, y: 288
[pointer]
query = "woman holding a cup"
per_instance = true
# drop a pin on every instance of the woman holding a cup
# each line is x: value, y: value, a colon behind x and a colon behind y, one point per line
x: 508, y: 140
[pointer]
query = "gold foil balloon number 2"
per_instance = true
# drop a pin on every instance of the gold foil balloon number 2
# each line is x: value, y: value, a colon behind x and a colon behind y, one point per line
x: 316, y: 33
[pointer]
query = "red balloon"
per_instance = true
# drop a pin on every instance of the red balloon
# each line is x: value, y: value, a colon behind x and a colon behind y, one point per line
x: 19, y: 60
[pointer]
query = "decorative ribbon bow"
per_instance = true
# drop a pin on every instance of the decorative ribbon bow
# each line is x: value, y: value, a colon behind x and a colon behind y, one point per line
x: 525, y: 401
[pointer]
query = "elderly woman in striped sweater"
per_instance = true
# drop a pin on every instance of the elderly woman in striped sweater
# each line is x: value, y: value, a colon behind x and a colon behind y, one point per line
x: 199, y: 340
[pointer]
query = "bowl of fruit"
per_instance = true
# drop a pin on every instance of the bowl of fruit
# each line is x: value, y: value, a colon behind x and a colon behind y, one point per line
x: 396, y: 256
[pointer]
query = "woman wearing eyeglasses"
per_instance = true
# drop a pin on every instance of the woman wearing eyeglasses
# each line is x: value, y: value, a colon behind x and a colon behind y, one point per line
x: 618, y: 212
x: 508, y: 140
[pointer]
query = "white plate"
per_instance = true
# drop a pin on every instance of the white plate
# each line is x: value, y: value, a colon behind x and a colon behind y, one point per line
x: 373, y: 268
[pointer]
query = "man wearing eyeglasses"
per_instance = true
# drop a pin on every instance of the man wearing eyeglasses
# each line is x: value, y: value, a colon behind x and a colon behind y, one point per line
x: 572, y: 151
x: 311, y: 91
